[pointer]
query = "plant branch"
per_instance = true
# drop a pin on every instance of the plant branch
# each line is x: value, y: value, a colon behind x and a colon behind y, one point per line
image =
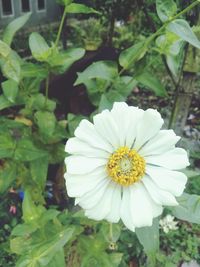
x: 60, y: 27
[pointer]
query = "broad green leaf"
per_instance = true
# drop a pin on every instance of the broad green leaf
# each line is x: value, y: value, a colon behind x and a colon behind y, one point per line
x: 61, y: 62
x: 27, y: 151
x: 39, y: 102
x: 4, y: 49
x: 151, y: 82
x: 7, y: 176
x: 106, y: 70
x: 10, y: 90
x: 42, y: 253
x: 13, y: 27
x: 182, y: 29
x: 132, y: 54
x: 23, y: 229
x: 39, y: 168
x: 30, y: 70
x: 7, y: 146
x: 149, y: 237
x: 80, y: 8
x: 166, y: 9
x: 58, y: 260
x: 11, y: 67
x: 188, y: 209
x: 31, y: 212
x: 39, y: 47
x: 4, y: 103
x: 46, y: 122
x: 104, y: 103
x: 125, y: 85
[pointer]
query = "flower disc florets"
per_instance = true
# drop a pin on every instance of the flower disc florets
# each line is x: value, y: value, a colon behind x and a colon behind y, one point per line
x: 126, y: 166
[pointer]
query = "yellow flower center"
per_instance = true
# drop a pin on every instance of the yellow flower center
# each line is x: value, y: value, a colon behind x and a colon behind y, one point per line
x: 125, y: 166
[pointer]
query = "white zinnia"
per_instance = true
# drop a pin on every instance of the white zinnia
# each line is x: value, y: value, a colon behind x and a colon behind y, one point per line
x: 168, y: 223
x: 124, y: 166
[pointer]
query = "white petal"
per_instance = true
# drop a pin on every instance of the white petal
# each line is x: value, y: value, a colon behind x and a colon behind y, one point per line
x: 78, y: 147
x: 114, y: 214
x: 86, y: 132
x: 148, y: 127
x: 107, y: 128
x: 171, y: 181
x: 134, y: 118
x: 90, y: 199
x: 125, y: 211
x: 103, y: 207
x: 140, y: 205
x: 81, y: 164
x: 160, y: 196
x: 160, y: 143
x: 78, y: 185
x: 174, y: 159
x: 126, y: 118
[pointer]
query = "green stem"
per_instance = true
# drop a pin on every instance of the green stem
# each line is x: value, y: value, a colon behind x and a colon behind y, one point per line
x: 111, y: 232
x: 60, y: 28
x: 46, y: 89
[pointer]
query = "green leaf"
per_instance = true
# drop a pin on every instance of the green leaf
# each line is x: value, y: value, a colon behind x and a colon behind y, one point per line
x: 106, y: 70
x: 182, y: 29
x: 46, y: 122
x: 80, y: 8
x: 132, y: 54
x: 11, y: 67
x: 4, y: 103
x: 58, y: 259
x: 104, y: 103
x: 151, y: 82
x: 188, y: 209
x: 165, y: 9
x: 39, y: 169
x: 43, y: 253
x: 39, y: 47
x: 27, y: 151
x: 149, y: 237
x: 39, y: 102
x: 30, y: 70
x: 7, y: 146
x: 31, y: 212
x: 61, y: 62
x: 4, y: 49
x: 125, y: 85
x: 10, y: 90
x: 13, y: 27
x: 7, y: 176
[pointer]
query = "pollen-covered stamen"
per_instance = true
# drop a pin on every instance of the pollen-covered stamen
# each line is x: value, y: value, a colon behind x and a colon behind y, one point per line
x: 126, y: 166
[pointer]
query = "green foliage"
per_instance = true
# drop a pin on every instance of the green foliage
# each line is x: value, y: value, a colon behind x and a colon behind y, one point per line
x: 13, y: 27
x: 188, y: 209
x: 166, y: 9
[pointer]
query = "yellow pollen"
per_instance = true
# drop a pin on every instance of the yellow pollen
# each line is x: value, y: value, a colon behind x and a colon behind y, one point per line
x: 125, y: 166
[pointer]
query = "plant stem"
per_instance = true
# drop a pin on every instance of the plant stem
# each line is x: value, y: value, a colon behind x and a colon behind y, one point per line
x: 111, y: 232
x: 60, y: 28
x: 46, y: 88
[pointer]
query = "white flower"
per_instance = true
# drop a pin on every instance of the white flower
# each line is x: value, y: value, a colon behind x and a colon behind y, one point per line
x: 124, y: 166
x: 168, y: 223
